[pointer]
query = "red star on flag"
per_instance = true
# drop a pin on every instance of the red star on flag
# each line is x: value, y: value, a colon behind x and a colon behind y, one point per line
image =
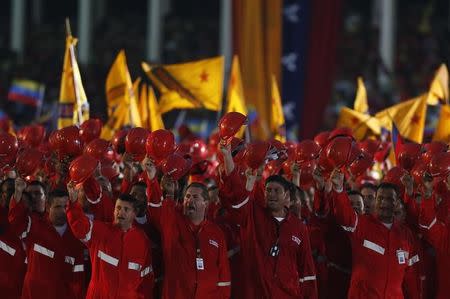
x: 233, y: 81
x: 204, y: 76
x: 354, y: 120
x: 415, y: 119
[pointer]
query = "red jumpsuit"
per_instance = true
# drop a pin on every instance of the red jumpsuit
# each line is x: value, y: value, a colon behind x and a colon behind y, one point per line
x: 51, y: 257
x: 121, y: 261
x: 288, y: 274
x: 438, y: 234
x: 381, y: 257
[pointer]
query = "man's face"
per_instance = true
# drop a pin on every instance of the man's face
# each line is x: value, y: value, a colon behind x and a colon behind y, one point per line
x: 57, y: 211
x: 277, y: 198
x: 369, y: 200
x: 385, y: 204
x: 357, y: 203
x: 37, y: 197
x: 168, y: 186
x: 124, y: 214
x: 296, y: 205
x: 139, y: 192
x: 7, y: 191
x: 194, y: 204
x: 213, y: 194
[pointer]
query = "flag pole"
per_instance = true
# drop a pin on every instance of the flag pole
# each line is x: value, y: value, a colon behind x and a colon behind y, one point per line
x: 72, y: 63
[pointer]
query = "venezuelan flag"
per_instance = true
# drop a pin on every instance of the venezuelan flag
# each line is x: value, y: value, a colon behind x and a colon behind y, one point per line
x: 27, y: 92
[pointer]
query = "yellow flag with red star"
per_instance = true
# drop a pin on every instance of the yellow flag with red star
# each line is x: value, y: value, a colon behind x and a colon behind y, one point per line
x: 442, y: 131
x: 361, y: 104
x: 439, y: 87
x: 361, y: 124
x: 277, y: 123
x: 409, y: 116
x: 191, y: 85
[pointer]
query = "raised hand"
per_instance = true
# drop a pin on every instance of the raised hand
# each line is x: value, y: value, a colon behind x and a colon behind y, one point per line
x: 319, y: 179
x: 337, y: 180
x: 408, y: 182
x: 149, y: 166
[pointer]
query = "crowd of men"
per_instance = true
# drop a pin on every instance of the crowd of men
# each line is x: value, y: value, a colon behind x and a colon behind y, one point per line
x: 141, y: 216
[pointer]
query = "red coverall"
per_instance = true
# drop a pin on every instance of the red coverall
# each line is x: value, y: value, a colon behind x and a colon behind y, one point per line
x: 438, y: 234
x: 12, y: 260
x: 183, y: 245
x: 381, y: 257
x: 291, y: 273
x: 121, y: 261
x: 55, y: 263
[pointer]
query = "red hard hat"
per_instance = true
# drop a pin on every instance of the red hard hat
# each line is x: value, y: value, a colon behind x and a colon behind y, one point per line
x: 369, y: 146
x: 306, y: 173
x: 68, y: 141
x: 118, y: 141
x: 409, y: 154
x: 363, y: 162
x: 90, y: 130
x: 160, y: 144
x: 175, y: 166
x: 273, y: 167
x: 324, y: 164
x: 230, y: 124
x: 418, y: 171
x: 198, y: 151
x: 32, y: 136
x: 109, y: 168
x: 28, y: 161
x: 440, y: 165
x: 98, y: 148
x: 307, y: 150
x: 339, y: 151
x: 291, y: 147
x: 432, y: 149
x: 135, y: 143
x: 322, y: 139
x: 82, y: 168
x: 394, y: 176
x: 256, y: 153
x: 8, y: 149
x: 344, y: 131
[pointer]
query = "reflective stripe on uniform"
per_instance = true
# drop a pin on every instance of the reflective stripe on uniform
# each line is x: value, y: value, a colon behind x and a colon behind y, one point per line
x: 78, y: 268
x: 374, y: 247
x: 89, y: 233
x: 134, y: 266
x: 43, y: 250
x: 224, y: 283
x: 146, y: 271
x: 308, y: 278
x: 241, y: 204
x: 107, y: 258
x: 351, y: 228
x: 69, y: 260
x: 429, y: 226
x: 155, y: 205
x: 413, y: 260
x: 5, y: 247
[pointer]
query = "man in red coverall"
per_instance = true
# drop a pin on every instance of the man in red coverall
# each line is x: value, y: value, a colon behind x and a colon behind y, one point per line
x: 383, y: 250
x: 194, y: 249
x: 53, y: 253
x: 438, y: 234
x: 12, y: 255
x: 120, y: 253
x: 275, y: 247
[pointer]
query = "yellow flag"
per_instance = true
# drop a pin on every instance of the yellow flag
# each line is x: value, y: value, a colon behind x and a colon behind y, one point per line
x: 361, y: 124
x: 277, y: 122
x: 156, y: 121
x: 442, y: 131
x: 235, y: 94
x: 115, y: 122
x: 119, y: 92
x: 141, y: 93
x: 73, y: 103
x: 409, y: 117
x: 190, y: 85
x: 439, y: 87
x: 361, y: 104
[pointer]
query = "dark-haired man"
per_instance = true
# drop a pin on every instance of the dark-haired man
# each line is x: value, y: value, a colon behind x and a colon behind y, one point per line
x: 368, y: 191
x: 275, y: 247
x: 383, y: 250
x: 195, y: 252
x: 120, y: 253
x: 53, y: 253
